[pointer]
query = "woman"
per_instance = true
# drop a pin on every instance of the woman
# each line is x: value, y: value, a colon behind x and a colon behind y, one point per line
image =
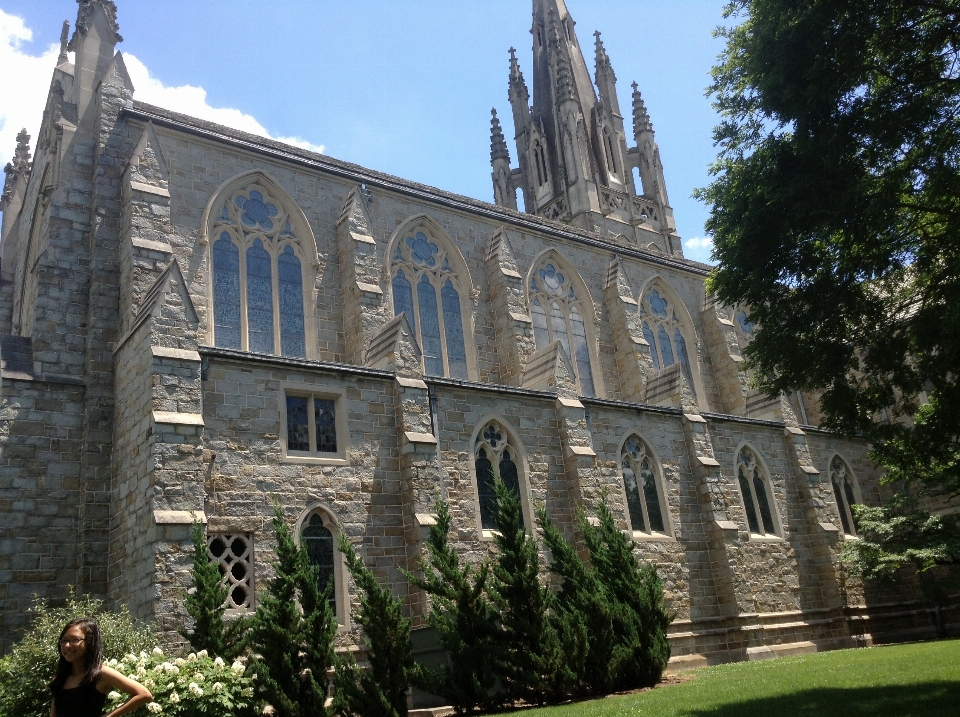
x: 82, y: 682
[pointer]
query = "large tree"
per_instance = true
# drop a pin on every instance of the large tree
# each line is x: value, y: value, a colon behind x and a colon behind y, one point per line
x: 835, y: 209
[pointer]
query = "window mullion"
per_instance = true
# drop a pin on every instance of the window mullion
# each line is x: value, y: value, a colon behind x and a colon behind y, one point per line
x: 442, y: 324
x: 244, y: 323
x: 275, y: 297
x: 311, y: 425
x: 638, y: 475
x: 756, y: 506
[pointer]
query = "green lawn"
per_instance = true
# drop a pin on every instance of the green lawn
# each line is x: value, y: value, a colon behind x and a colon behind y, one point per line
x: 892, y: 681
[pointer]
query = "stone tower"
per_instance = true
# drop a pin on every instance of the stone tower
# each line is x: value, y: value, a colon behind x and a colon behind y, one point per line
x: 575, y: 163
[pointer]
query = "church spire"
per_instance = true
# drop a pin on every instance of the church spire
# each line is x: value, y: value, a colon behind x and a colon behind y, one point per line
x: 605, y: 77
x: 64, y: 35
x: 498, y: 145
x: 641, y: 120
x: 504, y: 189
x: 19, y: 166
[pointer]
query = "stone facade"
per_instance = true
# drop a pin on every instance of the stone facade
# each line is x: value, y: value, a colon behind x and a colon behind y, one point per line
x: 143, y: 387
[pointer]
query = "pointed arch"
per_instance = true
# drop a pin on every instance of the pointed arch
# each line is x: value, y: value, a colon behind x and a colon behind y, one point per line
x: 496, y: 438
x: 677, y: 326
x: 262, y: 268
x: 756, y: 492
x: 318, y: 526
x: 563, y: 310
x: 643, y: 485
x: 846, y: 491
x: 430, y: 281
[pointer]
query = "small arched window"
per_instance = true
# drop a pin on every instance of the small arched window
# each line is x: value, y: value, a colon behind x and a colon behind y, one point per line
x: 757, y: 496
x: 558, y: 315
x: 258, y: 276
x: 318, y: 539
x: 493, y: 455
x: 426, y: 288
x: 663, y: 330
x: 844, y: 491
x: 642, y: 487
x: 611, y: 155
x: 540, y: 162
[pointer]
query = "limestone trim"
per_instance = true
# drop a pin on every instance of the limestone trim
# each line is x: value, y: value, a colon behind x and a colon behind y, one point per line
x: 765, y: 477
x: 312, y: 391
x: 456, y: 272
x: 661, y: 484
x: 331, y: 523
x: 178, y: 419
x: 521, y: 462
x: 297, y: 235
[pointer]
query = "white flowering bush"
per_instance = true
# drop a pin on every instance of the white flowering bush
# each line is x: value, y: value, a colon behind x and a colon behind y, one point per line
x: 188, y: 687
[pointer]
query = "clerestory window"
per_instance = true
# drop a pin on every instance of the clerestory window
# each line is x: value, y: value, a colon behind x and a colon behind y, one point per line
x: 757, y: 495
x: 663, y: 330
x: 258, y: 276
x: 558, y: 315
x: 844, y: 491
x: 642, y: 487
x: 427, y: 289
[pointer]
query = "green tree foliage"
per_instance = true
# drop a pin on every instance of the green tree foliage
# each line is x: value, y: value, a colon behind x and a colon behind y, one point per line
x: 534, y: 667
x: 25, y: 673
x: 292, y: 632
x: 640, y: 651
x: 465, y: 620
x: 835, y: 211
x: 380, y: 691
x: 583, y: 614
x: 206, y: 604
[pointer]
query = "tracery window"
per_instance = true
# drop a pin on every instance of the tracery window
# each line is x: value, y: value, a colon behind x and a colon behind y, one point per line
x: 662, y: 329
x: 557, y: 314
x: 493, y: 455
x: 233, y: 555
x: 258, y: 280
x: 644, y: 495
x: 755, y: 489
x: 318, y: 540
x: 844, y: 491
x: 427, y: 290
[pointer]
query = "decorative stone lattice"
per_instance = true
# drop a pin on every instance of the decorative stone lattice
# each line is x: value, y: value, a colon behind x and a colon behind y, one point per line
x: 233, y: 553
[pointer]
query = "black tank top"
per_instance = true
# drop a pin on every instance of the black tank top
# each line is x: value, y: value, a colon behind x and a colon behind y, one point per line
x: 83, y: 701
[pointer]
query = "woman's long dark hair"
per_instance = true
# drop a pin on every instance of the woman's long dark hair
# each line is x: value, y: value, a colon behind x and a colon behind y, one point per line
x: 93, y: 656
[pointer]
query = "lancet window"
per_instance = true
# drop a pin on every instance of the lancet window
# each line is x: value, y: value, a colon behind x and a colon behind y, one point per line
x: 258, y: 278
x: 493, y: 455
x: 757, y: 494
x: 558, y: 315
x: 844, y: 491
x: 426, y: 288
x: 642, y: 487
x: 318, y: 539
x: 663, y: 330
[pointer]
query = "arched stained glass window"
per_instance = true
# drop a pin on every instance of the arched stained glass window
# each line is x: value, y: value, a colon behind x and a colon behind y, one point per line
x: 319, y: 543
x: 640, y: 483
x: 841, y: 477
x: 662, y: 329
x: 755, y: 489
x: 258, y: 281
x: 422, y: 270
x: 493, y: 455
x: 551, y: 290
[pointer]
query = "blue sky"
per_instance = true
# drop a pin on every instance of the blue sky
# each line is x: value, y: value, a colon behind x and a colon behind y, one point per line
x: 400, y: 87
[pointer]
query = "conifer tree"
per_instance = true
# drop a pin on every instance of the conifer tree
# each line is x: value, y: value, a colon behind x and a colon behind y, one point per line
x: 640, y: 622
x: 534, y: 669
x: 206, y: 604
x: 380, y: 691
x: 583, y: 614
x: 292, y: 634
x: 465, y: 620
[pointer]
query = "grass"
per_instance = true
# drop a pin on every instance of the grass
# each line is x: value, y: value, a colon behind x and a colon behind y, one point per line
x: 921, y: 679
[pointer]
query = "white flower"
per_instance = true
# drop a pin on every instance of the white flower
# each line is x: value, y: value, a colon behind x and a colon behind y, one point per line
x: 191, y: 657
x: 132, y: 676
x: 180, y: 661
x: 161, y: 667
x: 247, y: 692
x: 141, y: 671
x: 130, y: 658
x: 196, y: 690
x: 198, y: 677
x: 154, y: 708
x: 143, y: 655
x: 174, y: 698
x: 149, y: 684
x: 157, y: 651
x: 172, y: 669
x: 112, y: 663
x: 238, y: 667
x: 216, y: 687
x: 114, y: 695
x: 218, y: 662
x: 203, y: 653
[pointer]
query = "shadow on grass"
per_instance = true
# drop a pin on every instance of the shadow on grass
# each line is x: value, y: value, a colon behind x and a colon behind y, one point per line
x: 928, y: 699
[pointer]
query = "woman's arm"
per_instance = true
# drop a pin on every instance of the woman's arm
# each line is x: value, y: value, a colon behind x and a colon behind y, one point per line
x: 111, y: 679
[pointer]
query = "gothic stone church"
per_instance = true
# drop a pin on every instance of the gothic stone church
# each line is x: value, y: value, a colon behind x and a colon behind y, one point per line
x: 195, y: 320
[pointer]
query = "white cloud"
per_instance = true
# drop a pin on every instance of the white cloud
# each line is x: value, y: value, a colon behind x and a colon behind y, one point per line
x: 695, y: 243
x: 25, y: 82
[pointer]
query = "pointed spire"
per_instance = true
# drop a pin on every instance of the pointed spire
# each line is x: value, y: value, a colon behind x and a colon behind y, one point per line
x: 498, y: 145
x: 516, y: 76
x: 85, y: 15
x: 565, y: 81
x: 641, y: 120
x: 602, y: 59
x: 20, y: 164
x: 64, y: 35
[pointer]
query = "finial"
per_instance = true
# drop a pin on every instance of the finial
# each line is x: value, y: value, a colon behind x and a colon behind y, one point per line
x: 64, y: 35
x: 86, y: 11
x: 498, y: 145
x: 20, y: 164
x: 641, y: 120
x: 516, y: 76
x: 603, y: 60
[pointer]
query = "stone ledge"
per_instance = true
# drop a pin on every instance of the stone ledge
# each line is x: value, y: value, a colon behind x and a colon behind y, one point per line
x: 511, y: 273
x: 149, y: 189
x: 707, y: 461
x: 810, y: 470
x: 151, y: 245
x: 179, y: 517
x: 727, y: 525
x: 828, y: 527
x: 581, y: 451
x: 182, y: 354
x: 569, y: 403
x: 411, y: 383
x: 767, y: 652
x: 178, y: 419
x: 694, y: 418
x: 521, y: 318
x: 369, y: 288
x: 362, y: 238
x: 419, y: 437
x: 426, y: 520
